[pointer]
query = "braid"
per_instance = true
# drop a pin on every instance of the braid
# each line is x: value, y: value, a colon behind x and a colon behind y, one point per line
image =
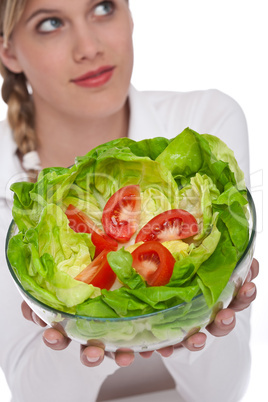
x: 14, y: 89
x: 20, y: 111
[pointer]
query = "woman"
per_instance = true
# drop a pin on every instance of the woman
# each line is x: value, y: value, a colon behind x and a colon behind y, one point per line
x: 67, y: 68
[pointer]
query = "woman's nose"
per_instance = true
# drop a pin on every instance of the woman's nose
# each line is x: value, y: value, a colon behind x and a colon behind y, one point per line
x: 86, y: 44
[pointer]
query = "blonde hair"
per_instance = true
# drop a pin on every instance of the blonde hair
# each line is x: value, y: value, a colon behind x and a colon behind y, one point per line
x: 15, y: 91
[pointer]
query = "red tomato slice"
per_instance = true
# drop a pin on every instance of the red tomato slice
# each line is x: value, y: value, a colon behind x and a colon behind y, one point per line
x: 154, y: 262
x: 121, y: 213
x: 81, y: 223
x: 103, y: 242
x: 98, y: 273
x: 170, y: 225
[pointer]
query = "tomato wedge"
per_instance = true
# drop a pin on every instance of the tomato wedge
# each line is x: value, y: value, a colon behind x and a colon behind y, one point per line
x: 121, y: 213
x: 103, y: 242
x: 98, y: 273
x: 154, y: 262
x: 81, y: 223
x: 174, y: 224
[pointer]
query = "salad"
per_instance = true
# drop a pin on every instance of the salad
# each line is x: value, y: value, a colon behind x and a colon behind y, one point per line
x: 132, y: 227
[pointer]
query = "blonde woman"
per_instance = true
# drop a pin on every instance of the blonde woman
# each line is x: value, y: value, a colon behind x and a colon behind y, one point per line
x: 67, y: 69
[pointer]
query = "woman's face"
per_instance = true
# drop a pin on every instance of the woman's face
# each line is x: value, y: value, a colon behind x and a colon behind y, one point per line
x: 76, y: 54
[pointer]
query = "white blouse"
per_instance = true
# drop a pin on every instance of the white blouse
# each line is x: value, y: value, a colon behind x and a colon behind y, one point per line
x: 220, y: 372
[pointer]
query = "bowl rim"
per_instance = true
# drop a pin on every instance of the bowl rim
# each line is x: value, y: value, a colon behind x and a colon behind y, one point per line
x: 131, y: 318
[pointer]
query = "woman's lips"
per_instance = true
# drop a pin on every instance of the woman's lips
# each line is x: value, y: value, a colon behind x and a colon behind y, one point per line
x: 95, y: 78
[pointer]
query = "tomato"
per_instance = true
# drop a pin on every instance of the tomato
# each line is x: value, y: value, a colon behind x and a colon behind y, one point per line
x: 103, y: 242
x: 121, y: 213
x: 98, y: 273
x: 154, y: 262
x: 81, y: 223
x: 170, y: 225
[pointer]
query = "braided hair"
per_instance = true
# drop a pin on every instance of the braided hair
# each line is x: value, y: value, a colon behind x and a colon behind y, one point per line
x: 15, y: 91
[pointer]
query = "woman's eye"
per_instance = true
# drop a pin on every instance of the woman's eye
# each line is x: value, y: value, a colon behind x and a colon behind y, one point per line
x: 104, y: 8
x: 49, y: 25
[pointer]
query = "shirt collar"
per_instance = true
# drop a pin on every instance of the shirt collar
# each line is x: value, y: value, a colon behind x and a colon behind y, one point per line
x: 144, y: 122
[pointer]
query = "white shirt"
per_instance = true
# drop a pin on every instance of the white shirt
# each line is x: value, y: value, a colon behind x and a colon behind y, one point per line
x: 220, y: 372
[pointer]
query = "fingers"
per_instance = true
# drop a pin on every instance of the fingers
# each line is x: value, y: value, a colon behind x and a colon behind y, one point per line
x: 166, y: 352
x: 225, y: 320
x: 28, y: 313
x: 195, y: 342
x: 146, y: 355
x: 92, y: 356
x: 223, y: 324
x: 254, y: 270
x: 247, y: 293
x: 55, y: 340
x: 51, y: 337
x: 124, y: 357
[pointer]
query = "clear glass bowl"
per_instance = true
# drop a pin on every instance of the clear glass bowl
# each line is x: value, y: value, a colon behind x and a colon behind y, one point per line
x: 147, y: 332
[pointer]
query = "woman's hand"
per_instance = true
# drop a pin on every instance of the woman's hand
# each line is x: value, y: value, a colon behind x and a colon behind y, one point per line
x: 94, y: 354
x: 225, y: 319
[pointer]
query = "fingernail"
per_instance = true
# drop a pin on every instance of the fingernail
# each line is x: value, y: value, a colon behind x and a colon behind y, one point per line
x: 249, y: 277
x: 51, y: 341
x: 228, y: 321
x: 199, y: 345
x: 36, y: 319
x: 251, y: 292
x: 92, y: 359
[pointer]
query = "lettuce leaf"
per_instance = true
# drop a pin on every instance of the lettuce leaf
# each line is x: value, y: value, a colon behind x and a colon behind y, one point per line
x: 52, y: 256
x: 224, y: 153
x: 190, y: 153
x: 119, y: 167
x: 197, y: 198
x: 153, y: 203
x: 121, y: 263
x: 132, y: 302
x: 215, y: 272
x: 186, y: 268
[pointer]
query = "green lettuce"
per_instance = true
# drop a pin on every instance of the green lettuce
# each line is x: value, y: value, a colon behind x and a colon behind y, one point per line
x: 224, y: 153
x: 197, y: 198
x: 218, y: 267
x: 119, y: 167
x: 52, y: 256
x: 186, y: 268
x: 190, y: 153
x: 153, y: 203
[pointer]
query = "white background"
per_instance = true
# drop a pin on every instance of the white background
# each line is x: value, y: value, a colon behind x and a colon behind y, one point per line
x: 185, y: 45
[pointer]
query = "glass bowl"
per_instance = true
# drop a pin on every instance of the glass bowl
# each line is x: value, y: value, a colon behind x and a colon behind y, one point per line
x: 147, y: 332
